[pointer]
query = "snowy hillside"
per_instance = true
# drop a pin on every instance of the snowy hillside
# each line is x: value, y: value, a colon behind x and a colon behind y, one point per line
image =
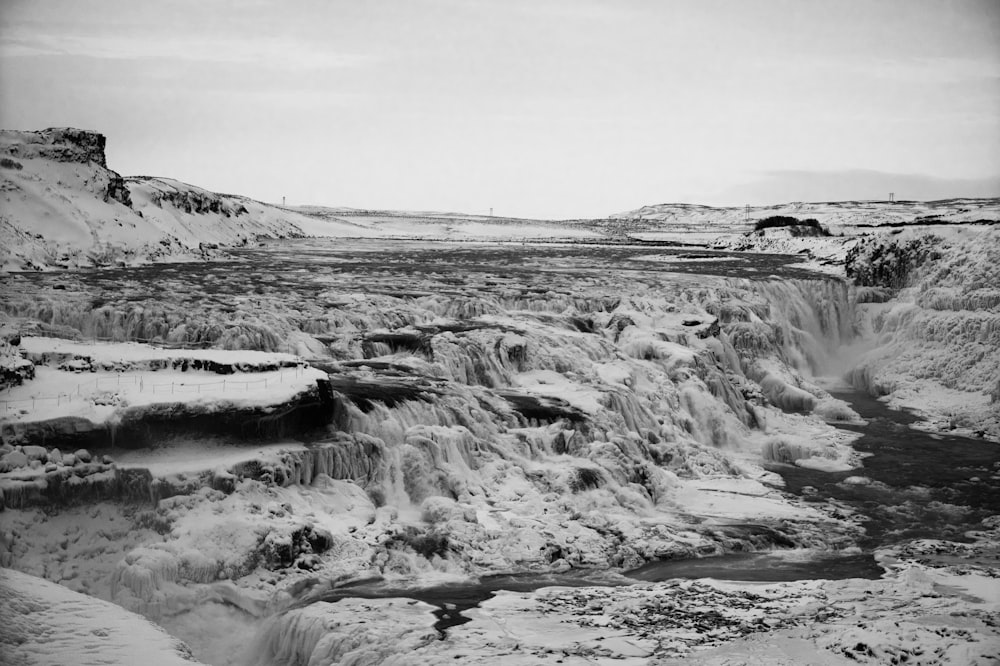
x: 833, y: 215
x: 455, y: 226
x: 64, y: 208
x: 733, y: 228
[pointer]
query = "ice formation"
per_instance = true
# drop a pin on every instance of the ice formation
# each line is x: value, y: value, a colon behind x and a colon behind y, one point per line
x: 937, y: 341
x: 508, y: 429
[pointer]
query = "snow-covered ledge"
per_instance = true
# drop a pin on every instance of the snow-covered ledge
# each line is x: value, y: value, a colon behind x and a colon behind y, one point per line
x: 45, y: 623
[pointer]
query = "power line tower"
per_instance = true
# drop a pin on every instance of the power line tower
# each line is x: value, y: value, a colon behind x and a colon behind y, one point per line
x: 746, y: 214
x: 892, y: 197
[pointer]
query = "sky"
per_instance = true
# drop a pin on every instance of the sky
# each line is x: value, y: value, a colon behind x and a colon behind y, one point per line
x: 534, y: 108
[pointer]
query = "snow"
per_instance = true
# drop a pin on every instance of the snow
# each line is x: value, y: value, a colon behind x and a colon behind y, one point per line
x: 188, y: 457
x: 730, y: 499
x: 45, y: 623
x: 556, y: 385
x: 146, y: 378
x: 916, y: 614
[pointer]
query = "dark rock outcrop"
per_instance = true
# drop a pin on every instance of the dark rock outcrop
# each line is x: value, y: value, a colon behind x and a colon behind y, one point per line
x: 60, y: 144
x: 193, y: 200
x: 68, y: 144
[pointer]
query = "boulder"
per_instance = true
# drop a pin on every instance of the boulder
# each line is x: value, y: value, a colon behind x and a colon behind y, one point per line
x: 35, y: 452
x: 14, y: 459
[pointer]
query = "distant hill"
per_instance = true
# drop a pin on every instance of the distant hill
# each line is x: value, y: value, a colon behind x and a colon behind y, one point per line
x: 62, y: 207
x: 837, y: 216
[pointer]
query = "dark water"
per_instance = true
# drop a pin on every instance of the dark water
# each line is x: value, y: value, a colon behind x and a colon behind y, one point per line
x: 452, y: 599
x: 923, y: 486
x: 763, y: 567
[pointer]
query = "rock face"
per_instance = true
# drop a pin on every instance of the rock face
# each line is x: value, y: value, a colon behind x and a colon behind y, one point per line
x: 60, y: 144
x: 66, y: 144
x: 191, y: 200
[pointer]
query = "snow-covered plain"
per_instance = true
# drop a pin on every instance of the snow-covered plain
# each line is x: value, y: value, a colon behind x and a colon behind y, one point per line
x: 490, y: 408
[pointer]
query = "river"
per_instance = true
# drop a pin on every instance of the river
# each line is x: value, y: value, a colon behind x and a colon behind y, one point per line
x: 913, y: 484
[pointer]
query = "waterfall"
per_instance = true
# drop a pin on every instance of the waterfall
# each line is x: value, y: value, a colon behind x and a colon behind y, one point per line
x: 805, y: 322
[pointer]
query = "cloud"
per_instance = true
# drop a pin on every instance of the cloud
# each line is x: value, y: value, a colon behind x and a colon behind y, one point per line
x: 854, y: 184
x: 272, y: 52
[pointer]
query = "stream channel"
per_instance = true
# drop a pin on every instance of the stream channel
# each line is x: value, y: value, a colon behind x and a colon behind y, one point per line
x: 913, y: 484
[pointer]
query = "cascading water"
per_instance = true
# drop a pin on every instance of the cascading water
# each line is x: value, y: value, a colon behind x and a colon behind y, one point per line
x: 525, y: 428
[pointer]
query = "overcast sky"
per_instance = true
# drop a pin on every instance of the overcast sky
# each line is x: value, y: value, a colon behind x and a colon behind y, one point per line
x: 544, y: 108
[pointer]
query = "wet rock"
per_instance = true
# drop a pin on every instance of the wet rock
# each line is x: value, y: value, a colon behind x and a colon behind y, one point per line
x: 83, y: 455
x: 308, y: 562
x: 223, y: 481
x: 282, y: 550
x: 55, y: 456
